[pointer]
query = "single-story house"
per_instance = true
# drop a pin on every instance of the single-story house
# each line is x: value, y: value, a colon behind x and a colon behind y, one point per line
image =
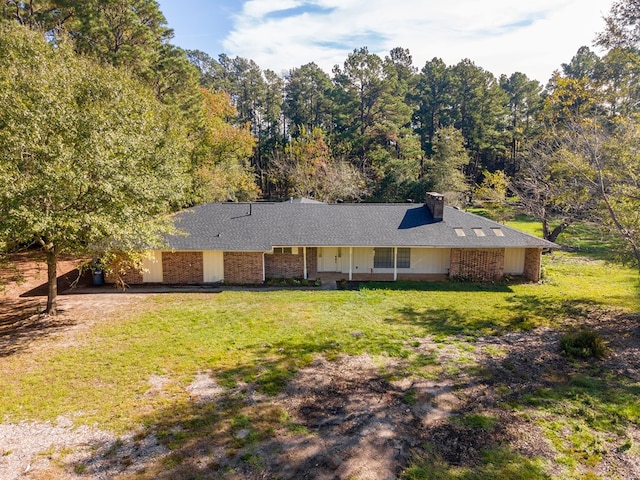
x: 249, y: 243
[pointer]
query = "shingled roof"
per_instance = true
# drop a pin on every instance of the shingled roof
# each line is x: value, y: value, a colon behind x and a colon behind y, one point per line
x: 262, y: 226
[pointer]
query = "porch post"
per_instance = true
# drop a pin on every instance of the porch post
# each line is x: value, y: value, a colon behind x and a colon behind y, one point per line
x: 350, y: 263
x: 264, y: 269
x: 304, y: 259
x: 395, y: 263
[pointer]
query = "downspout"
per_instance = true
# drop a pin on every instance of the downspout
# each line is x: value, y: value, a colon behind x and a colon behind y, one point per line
x: 350, y: 263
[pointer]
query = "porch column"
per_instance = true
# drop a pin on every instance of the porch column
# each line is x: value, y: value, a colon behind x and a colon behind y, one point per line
x: 350, y: 263
x: 395, y: 263
x: 264, y: 269
x: 304, y: 259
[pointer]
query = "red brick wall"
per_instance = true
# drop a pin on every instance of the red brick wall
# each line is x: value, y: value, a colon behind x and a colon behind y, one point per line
x: 532, y: 259
x: 182, y: 267
x: 243, y: 267
x: 131, y: 277
x: 312, y: 263
x: 284, y: 265
x: 483, y: 265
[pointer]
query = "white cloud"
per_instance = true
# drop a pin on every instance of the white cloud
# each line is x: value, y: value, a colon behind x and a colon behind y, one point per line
x: 502, y: 36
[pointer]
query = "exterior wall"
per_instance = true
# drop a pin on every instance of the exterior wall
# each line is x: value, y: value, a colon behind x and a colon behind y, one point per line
x: 284, y: 265
x: 514, y: 261
x: 429, y: 261
x: 477, y: 264
x: 243, y: 267
x: 182, y: 267
x: 312, y: 262
x: 132, y: 277
x: 362, y: 260
x: 213, y: 266
x: 152, y: 268
x: 532, y: 263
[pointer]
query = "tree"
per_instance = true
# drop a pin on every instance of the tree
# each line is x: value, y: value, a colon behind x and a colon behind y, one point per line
x: 549, y: 189
x: 605, y: 156
x: 307, y: 169
x: 445, y: 167
x: 91, y: 162
x: 307, y: 102
x: 433, y: 101
x: 622, y: 26
x: 479, y: 108
x: 582, y: 65
x: 220, y: 169
x: 525, y: 102
x: 124, y: 33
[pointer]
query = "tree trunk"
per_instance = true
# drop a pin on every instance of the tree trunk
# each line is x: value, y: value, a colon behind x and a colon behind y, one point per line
x: 545, y: 228
x: 553, y: 236
x: 52, y: 280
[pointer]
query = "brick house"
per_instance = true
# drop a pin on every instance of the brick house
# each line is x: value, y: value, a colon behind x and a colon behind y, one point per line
x: 249, y: 243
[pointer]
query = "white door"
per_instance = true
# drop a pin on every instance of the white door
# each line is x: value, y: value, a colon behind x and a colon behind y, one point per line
x: 213, y: 266
x: 330, y: 259
x: 152, y: 268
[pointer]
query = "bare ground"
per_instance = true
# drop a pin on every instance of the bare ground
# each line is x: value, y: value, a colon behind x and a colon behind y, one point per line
x: 349, y: 418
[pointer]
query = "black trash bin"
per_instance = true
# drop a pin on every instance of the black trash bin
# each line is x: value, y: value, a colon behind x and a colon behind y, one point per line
x: 98, y: 277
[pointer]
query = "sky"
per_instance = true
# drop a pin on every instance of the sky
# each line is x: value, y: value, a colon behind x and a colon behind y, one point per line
x: 534, y: 37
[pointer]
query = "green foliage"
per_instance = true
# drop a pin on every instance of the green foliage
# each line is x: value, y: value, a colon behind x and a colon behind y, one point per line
x: 584, y: 343
x: 307, y: 169
x: 101, y: 162
x: 444, y: 169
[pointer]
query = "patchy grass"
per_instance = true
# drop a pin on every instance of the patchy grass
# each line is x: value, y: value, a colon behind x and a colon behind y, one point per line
x: 263, y: 338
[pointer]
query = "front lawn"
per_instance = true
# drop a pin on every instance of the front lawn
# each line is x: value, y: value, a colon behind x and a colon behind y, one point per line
x: 135, y: 372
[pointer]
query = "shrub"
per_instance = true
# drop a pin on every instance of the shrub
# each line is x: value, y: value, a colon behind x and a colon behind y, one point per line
x: 584, y: 343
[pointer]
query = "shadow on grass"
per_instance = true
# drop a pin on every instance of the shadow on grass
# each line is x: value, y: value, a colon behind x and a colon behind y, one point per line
x: 270, y: 419
x: 22, y: 323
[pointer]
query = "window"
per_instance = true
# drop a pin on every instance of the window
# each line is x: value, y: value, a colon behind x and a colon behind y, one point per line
x: 479, y: 232
x: 283, y: 250
x: 404, y: 258
x: 498, y: 232
x: 459, y: 232
x: 383, y: 258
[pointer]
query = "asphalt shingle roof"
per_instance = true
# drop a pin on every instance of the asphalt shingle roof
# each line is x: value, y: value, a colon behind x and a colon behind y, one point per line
x: 261, y: 226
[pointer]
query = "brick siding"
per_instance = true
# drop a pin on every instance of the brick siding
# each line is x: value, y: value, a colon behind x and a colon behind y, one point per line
x: 130, y: 277
x: 284, y: 265
x: 243, y: 267
x: 483, y: 265
x: 532, y: 260
x: 312, y: 263
x: 182, y: 267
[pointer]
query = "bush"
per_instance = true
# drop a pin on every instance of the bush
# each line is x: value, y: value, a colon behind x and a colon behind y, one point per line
x: 584, y: 343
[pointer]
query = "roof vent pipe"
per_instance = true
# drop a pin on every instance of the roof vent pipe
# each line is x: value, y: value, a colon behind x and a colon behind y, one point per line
x: 434, y: 202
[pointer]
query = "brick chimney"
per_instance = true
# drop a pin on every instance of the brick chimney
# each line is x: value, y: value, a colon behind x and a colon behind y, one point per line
x: 434, y: 202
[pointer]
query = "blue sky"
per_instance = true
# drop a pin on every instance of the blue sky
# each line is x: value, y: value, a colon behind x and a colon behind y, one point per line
x: 503, y: 36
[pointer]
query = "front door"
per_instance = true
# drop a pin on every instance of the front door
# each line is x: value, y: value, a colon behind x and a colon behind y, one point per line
x: 330, y: 259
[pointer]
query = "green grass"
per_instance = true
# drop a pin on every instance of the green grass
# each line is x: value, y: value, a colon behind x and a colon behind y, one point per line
x: 265, y: 337
x: 496, y: 464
